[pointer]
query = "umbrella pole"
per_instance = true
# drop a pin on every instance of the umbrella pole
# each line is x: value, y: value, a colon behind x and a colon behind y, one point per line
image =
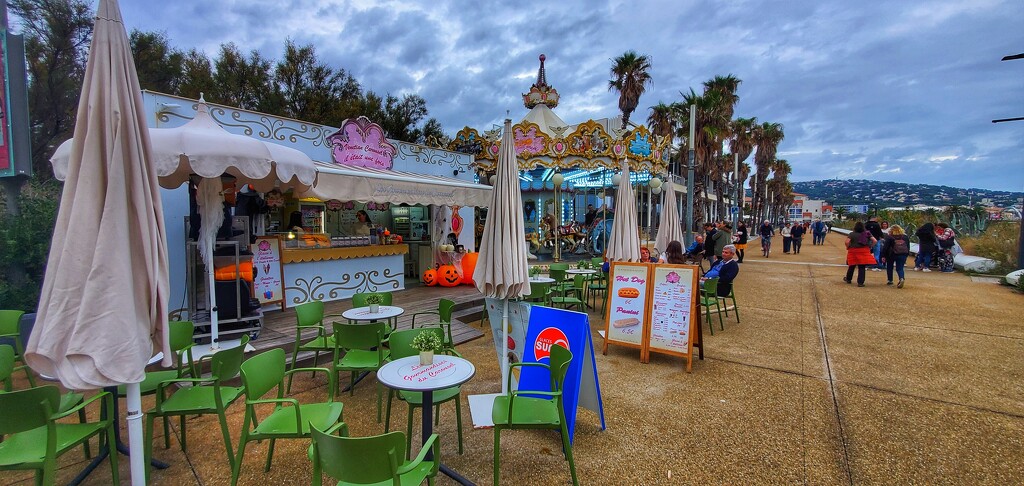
x: 134, y: 418
x: 504, y: 349
x: 214, y: 324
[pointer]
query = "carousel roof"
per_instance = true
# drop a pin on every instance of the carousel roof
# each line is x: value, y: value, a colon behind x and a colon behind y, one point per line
x: 546, y: 120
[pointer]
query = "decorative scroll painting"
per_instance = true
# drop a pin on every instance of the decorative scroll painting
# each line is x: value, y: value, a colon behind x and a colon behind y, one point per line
x: 361, y: 143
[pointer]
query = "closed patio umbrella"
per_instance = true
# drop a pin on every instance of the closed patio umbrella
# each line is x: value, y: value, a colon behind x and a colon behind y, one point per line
x: 502, y: 268
x: 103, y: 309
x: 624, y: 240
x: 669, y: 229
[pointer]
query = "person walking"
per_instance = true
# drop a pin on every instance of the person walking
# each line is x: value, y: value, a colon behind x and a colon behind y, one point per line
x: 895, y: 250
x: 818, y: 231
x: 709, y: 241
x: 765, y: 231
x: 797, y: 235
x: 722, y: 237
x: 787, y: 237
x: 740, y: 237
x: 925, y: 247
x: 946, y: 238
x: 876, y: 232
x: 858, y: 253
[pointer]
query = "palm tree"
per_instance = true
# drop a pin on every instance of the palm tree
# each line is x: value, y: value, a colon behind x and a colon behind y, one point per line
x: 708, y: 123
x: 630, y: 77
x: 662, y: 122
x: 742, y: 144
x: 722, y: 90
x: 782, y: 190
x: 767, y: 136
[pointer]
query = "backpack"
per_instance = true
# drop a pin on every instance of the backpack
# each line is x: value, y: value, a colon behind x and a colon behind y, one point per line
x: 900, y: 246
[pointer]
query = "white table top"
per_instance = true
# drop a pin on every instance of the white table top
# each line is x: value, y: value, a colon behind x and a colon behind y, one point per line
x: 407, y: 374
x: 363, y: 313
x: 541, y: 280
x: 581, y: 271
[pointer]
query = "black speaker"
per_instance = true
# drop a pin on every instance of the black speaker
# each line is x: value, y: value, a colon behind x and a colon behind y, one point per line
x: 229, y: 294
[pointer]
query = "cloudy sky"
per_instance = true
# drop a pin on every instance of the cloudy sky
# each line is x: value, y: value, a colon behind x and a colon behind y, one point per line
x: 868, y: 89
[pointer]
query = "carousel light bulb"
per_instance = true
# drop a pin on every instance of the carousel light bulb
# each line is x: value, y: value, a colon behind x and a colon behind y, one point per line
x: 558, y: 179
x: 616, y: 178
x: 654, y: 183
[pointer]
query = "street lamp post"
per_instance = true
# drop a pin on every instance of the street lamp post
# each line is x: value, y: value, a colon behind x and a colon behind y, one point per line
x: 689, y: 178
x: 739, y: 189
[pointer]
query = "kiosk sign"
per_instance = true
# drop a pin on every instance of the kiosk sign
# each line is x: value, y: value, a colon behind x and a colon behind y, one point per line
x: 361, y: 143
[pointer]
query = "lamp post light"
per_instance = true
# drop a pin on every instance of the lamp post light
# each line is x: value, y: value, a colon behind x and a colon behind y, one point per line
x: 690, y: 154
x: 557, y: 180
x: 739, y: 189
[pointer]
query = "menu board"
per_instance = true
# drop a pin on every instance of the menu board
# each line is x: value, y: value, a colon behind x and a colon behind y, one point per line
x: 269, y: 280
x: 653, y: 308
x: 672, y: 310
x: 627, y: 304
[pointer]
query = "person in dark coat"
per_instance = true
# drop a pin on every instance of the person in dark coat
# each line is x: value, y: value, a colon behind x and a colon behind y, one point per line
x: 725, y: 269
x: 873, y: 227
x: 797, y: 235
x: 926, y: 247
x: 741, y: 236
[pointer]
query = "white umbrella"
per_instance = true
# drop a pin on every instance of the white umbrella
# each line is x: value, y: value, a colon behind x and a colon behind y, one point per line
x: 502, y: 268
x: 103, y: 309
x: 201, y: 147
x: 669, y: 229
x: 624, y: 241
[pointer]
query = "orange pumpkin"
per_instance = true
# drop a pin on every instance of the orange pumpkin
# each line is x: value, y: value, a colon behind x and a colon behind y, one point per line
x: 430, y: 277
x: 448, y: 276
x: 386, y: 232
x: 468, y: 267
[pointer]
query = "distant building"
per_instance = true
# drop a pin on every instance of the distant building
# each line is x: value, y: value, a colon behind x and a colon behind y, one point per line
x: 806, y: 209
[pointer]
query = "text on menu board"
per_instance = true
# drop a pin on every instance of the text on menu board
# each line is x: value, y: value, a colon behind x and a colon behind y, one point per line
x: 627, y: 303
x: 266, y: 257
x: 671, y: 307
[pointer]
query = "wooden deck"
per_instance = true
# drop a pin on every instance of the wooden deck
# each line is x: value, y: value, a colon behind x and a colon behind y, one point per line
x: 279, y: 326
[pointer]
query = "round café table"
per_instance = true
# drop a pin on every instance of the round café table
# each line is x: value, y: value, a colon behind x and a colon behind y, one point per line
x: 363, y: 313
x: 542, y: 280
x: 445, y: 372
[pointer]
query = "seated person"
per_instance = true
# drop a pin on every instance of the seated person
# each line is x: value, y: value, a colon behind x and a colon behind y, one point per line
x: 725, y: 269
x: 645, y: 256
x: 696, y: 249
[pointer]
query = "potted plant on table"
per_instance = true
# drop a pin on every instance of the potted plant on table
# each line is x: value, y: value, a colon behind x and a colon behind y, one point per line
x: 374, y: 301
x: 427, y: 342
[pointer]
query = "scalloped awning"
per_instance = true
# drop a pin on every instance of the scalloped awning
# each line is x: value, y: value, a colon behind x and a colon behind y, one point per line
x: 372, y: 185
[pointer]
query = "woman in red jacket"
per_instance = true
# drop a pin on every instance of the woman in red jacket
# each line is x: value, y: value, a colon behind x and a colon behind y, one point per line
x: 858, y: 253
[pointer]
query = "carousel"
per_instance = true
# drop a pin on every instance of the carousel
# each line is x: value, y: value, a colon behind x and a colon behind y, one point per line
x: 565, y: 170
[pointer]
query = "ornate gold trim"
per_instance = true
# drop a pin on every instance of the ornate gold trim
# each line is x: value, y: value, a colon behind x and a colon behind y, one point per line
x: 293, y: 255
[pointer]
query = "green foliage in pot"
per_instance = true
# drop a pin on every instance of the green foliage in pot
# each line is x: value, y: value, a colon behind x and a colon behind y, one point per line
x: 374, y: 299
x: 427, y: 341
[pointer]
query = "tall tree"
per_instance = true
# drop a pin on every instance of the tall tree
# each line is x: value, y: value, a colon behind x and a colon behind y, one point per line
x: 630, y: 77
x: 245, y: 82
x: 57, y: 35
x: 662, y: 122
x: 310, y: 89
x: 402, y: 116
x: 722, y: 91
x: 742, y: 145
x: 767, y: 136
x: 157, y: 63
x: 196, y: 75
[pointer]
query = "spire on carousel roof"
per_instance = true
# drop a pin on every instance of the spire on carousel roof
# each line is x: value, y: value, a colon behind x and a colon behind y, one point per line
x: 540, y: 92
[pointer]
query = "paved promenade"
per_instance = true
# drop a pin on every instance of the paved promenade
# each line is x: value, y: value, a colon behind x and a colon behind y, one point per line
x: 821, y: 383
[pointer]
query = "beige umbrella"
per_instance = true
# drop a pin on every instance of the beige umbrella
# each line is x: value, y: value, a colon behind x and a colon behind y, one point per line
x: 103, y: 309
x: 669, y: 229
x: 624, y: 240
x: 202, y: 148
x: 502, y: 269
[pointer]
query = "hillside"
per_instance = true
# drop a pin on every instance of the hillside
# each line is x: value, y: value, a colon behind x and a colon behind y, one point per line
x: 901, y: 194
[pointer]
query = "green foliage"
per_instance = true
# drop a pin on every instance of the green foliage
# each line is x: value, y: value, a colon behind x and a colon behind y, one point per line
x: 374, y: 299
x: 427, y: 341
x: 25, y: 244
x: 158, y: 64
x: 998, y: 242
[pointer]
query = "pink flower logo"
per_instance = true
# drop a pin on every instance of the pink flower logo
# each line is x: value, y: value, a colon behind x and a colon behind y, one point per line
x: 672, y: 277
x: 264, y: 245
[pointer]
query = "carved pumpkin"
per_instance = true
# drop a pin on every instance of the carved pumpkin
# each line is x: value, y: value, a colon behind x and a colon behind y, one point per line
x: 448, y: 276
x: 430, y: 277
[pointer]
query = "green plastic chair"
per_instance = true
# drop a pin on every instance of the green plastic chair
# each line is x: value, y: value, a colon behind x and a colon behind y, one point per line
x: 10, y: 327
x: 572, y: 296
x: 725, y: 300
x: 359, y: 348
x: 557, y: 272
x: 401, y: 347
x: 310, y: 315
x: 539, y: 293
x: 525, y: 409
x: 377, y: 460
x: 444, y: 321
x: 207, y: 395
x: 359, y: 300
x: 290, y: 419
x: 34, y: 437
x: 708, y: 298
x: 68, y: 400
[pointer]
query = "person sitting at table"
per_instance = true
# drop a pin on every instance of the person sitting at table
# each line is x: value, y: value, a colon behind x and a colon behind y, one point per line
x: 673, y: 254
x: 645, y: 255
x: 696, y: 249
x: 725, y: 269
